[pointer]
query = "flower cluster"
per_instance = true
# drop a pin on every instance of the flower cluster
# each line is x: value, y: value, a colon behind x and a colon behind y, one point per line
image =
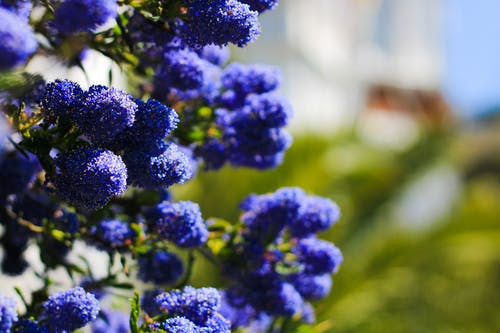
x: 18, y: 39
x: 62, y: 312
x: 286, y: 265
x: 191, y: 310
x: 67, y: 166
x: 125, y: 146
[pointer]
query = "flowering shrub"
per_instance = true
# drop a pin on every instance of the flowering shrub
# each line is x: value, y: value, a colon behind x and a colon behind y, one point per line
x: 94, y: 164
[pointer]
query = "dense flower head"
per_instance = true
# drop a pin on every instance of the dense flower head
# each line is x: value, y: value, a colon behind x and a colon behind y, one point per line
x: 316, y: 214
x: 181, y: 69
x: 111, y: 322
x: 312, y: 287
x: 246, y: 140
x: 214, y: 154
x: 89, y: 177
x: 160, y: 267
x: 214, y: 54
x: 179, y: 222
x: 178, y: 324
x: 261, y: 5
x: 266, y: 110
x: 153, y: 122
x: 197, y: 305
x: 250, y: 79
x: 69, y: 310
x: 239, y: 315
x: 83, y: 15
x: 157, y: 171
x: 112, y: 234
x: 283, y: 300
x: 105, y: 113
x: 28, y: 326
x: 307, y: 314
x: 18, y: 40
x: 21, y: 8
x: 270, y: 213
x: 257, y: 161
x: 218, y: 22
x: 8, y: 314
x: 318, y: 256
x: 61, y: 99
x: 216, y: 324
x: 17, y: 172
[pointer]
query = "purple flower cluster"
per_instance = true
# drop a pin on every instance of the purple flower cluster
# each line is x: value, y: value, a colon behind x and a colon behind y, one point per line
x: 89, y: 177
x: 69, y: 310
x: 191, y: 310
x: 73, y: 16
x: 160, y: 267
x: 62, y: 312
x: 127, y: 143
x: 251, y: 115
x: 286, y: 265
x: 218, y: 22
x: 8, y: 314
x: 18, y: 40
x: 112, y: 234
x: 22, y: 8
x: 179, y: 222
x: 111, y: 322
x: 17, y: 173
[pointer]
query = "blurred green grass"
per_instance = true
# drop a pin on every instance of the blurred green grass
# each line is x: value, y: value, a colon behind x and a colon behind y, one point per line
x: 442, y: 276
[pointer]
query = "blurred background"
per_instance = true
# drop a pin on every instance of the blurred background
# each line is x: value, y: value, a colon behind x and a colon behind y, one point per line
x: 396, y: 119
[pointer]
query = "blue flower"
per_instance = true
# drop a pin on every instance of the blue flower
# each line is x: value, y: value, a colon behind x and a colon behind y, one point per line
x: 283, y: 300
x: 105, y: 113
x: 153, y: 122
x: 318, y: 256
x: 89, y: 177
x: 214, y: 154
x: 83, y: 15
x: 28, y: 326
x: 214, y: 54
x: 21, y: 8
x: 8, y: 314
x: 197, y: 305
x: 18, y: 40
x: 250, y: 79
x: 61, y: 99
x: 17, y: 172
x: 218, y: 22
x: 266, y: 215
x: 111, y: 322
x: 316, y: 214
x: 69, y: 310
x: 112, y: 234
x: 312, y: 287
x: 239, y: 316
x: 178, y: 324
x: 181, y: 69
x: 216, y: 324
x: 160, y: 267
x: 179, y: 222
x: 153, y: 171
x: 266, y: 110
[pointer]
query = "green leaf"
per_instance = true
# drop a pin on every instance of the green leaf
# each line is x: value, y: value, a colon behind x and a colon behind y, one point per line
x: 134, y: 313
